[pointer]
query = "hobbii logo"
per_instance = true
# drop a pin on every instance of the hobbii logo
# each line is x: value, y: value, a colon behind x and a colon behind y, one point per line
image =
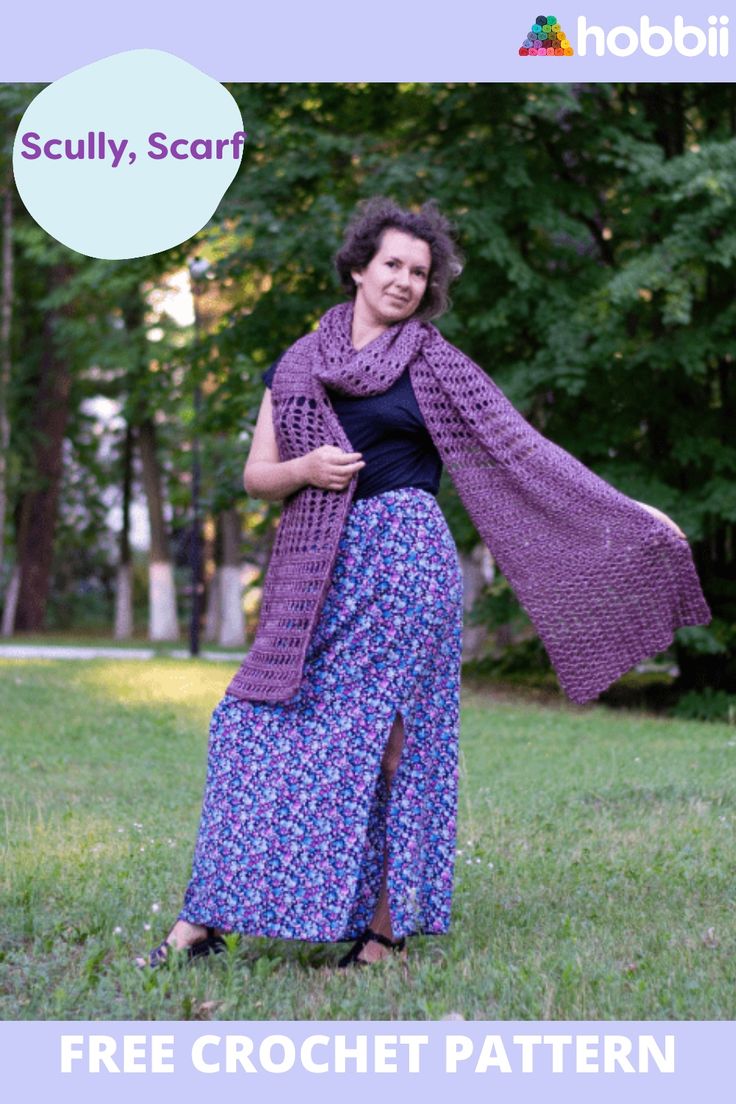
x: 685, y: 39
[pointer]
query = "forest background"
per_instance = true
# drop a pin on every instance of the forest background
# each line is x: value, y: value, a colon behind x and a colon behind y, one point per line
x: 599, y: 231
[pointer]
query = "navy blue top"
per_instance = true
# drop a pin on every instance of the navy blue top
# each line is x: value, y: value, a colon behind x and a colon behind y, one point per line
x: 390, y: 432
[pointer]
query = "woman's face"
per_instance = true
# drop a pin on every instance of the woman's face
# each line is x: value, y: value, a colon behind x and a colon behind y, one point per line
x: 391, y: 286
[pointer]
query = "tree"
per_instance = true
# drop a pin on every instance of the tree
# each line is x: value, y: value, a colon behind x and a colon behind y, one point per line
x: 597, y: 223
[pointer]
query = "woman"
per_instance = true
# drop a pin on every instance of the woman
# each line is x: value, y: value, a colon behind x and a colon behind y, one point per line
x: 330, y: 803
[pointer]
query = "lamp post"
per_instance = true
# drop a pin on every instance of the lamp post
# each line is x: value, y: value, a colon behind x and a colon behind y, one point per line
x: 198, y: 270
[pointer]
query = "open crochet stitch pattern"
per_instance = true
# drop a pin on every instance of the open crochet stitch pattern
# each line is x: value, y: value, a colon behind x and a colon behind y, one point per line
x: 604, y: 583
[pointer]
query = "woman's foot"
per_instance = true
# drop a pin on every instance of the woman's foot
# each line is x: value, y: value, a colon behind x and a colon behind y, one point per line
x: 371, y: 947
x: 374, y: 951
x: 195, y: 939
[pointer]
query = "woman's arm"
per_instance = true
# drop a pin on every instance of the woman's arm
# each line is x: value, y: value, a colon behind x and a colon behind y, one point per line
x: 266, y: 476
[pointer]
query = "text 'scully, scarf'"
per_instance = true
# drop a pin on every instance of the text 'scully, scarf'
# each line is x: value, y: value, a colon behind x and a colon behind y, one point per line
x: 604, y: 582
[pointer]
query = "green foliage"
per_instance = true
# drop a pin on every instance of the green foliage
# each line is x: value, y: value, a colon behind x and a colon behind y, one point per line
x: 706, y: 705
x: 517, y: 648
x: 597, y: 223
x: 525, y: 658
x: 705, y: 639
x: 14, y: 99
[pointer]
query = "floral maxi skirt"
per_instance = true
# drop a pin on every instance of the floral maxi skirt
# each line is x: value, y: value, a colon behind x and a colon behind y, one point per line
x: 297, y: 815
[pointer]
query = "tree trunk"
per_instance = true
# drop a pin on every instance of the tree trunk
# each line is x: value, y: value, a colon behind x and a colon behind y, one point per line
x: 39, y: 505
x: 124, y: 583
x: 163, y: 622
x: 665, y: 107
x: 212, y: 561
x: 232, y: 621
x: 6, y: 314
x: 11, y: 602
x: 477, y: 569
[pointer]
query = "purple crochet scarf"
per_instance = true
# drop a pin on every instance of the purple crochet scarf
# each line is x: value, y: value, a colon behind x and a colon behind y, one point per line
x: 604, y: 582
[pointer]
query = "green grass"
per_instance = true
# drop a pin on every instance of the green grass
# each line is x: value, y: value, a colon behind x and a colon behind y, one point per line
x: 595, y: 879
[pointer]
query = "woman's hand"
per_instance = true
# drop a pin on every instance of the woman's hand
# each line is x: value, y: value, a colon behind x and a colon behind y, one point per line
x: 330, y: 468
x: 662, y: 517
x: 267, y: 476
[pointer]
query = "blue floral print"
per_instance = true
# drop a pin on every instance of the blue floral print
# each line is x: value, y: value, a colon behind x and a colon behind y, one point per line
x: 296, y: 812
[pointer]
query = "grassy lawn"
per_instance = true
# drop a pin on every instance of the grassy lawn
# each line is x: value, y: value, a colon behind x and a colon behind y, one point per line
x: 595, y: 874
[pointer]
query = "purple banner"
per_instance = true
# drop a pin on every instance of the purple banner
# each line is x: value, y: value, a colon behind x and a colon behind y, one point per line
x: 477, y: 1061
x: 328, y: 40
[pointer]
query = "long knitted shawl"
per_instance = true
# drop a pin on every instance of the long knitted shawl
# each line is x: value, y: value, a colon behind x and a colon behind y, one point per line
x: 604, y: 582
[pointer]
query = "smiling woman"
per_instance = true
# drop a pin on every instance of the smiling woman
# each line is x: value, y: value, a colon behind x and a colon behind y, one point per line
x: 330, y: 804
x: 390, y: 288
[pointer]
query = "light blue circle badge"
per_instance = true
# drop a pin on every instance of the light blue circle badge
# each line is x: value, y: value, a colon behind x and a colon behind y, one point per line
x: 128, y: 156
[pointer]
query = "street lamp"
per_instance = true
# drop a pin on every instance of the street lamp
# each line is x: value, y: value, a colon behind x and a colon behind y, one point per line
x: 198, y: 271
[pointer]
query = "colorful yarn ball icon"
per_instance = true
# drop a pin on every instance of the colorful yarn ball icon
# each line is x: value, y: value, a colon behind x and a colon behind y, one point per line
x: 546, y: 39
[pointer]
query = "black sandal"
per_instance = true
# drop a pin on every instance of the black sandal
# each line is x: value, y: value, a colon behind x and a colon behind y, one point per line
x: 369, y: 936
x: 209, y: 944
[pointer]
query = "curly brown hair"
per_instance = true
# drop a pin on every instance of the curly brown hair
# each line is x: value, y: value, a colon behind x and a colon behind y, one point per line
x: 363, y: 240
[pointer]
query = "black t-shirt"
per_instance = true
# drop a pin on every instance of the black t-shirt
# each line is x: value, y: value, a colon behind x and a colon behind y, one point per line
x: 390, y: 432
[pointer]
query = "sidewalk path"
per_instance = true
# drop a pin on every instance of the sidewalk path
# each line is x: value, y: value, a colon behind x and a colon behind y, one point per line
x: 62, y: 651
